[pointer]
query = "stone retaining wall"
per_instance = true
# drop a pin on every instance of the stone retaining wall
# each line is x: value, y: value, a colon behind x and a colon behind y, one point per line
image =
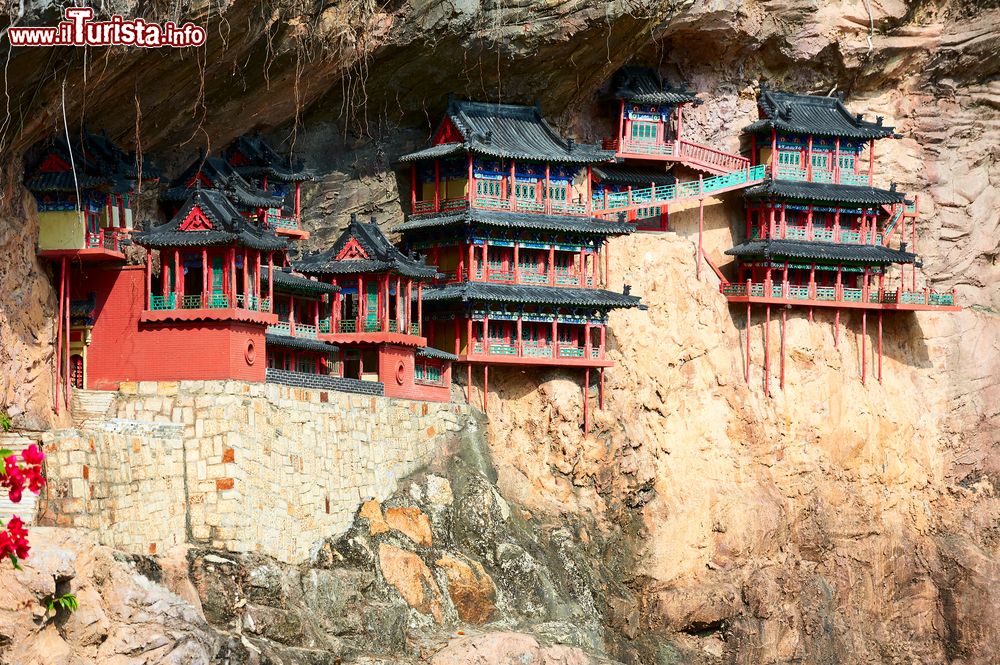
x: 245, y: 467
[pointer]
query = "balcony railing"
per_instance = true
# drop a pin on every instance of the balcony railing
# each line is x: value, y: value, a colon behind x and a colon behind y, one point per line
x: 109, y: 239
x: 837, y: 176
x: 532, y: 349
x: 609, y: 203
x: 802, y: 233
x: 276, y: 220
x: 792, y: 292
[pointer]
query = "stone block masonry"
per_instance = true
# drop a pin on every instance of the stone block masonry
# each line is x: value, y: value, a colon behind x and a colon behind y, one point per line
x: 245, y: 467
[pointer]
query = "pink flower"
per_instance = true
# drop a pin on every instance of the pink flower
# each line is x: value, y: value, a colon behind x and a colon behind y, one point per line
x: 33, y: 455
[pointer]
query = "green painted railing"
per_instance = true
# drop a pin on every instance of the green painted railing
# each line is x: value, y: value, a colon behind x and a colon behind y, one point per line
x: 324, y: 325
x: 348, y: 326
x: 570, y: 352
x: 532, y: 351
x: 163, y: 302
x: 372, y: 325
x: 499, y: 349
x: 677, y: 191
x: 414, y: 328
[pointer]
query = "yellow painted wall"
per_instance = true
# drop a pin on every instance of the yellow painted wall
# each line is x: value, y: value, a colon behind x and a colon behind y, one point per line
x: 60, y: 230
x: 452, y: 189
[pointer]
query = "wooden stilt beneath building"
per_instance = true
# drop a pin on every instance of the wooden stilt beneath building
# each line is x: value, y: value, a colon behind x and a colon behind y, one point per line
x: 57, y: 356
x: 66, y: 337
x: 468, y: 384
x: 864, y: 346
x: 784, y: 321
x: 701, y: 227
x: 586, y: 401
x: 836, y: 328
x: 486, y: 384
x: 880, y: 347
x: 600, y: 393
x: 767, y: 351
x: 746, y: 355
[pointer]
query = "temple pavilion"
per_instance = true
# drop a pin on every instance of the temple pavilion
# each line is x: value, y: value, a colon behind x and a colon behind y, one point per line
x: 501, y: 203
x: 216, y: 173
x: 818, y: 232
x: 376, y: 315
x: 255, y: 160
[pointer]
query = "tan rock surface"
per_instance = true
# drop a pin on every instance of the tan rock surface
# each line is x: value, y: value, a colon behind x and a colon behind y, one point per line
x: 412, y: 523
x: 412, y: 579
x: 470, y: 588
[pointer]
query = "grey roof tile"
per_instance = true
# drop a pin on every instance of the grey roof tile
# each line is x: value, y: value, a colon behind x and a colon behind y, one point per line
x: 517, y: 220
x: 824, y: 192
x: 820, y: 251
x: 530, y: 295
x: 813, y: 114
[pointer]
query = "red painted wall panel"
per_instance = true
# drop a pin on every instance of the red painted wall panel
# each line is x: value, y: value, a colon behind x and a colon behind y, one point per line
x: 395, y: 369
x: 123, y: 349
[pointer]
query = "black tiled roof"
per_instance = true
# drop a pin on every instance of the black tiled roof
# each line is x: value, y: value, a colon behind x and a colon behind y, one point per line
x: 813, y: 114
x: 621, y: 174
x: 530, y: 295
x: 221, y: 176
x: 264, y: 160
x: 228, y: 226
x: 509, y: 131
x: 517, y: 220
x: 437, y: 354
x: 285, y: 280
x: 304, y: 343
x: 62, y: 181
x: 820, y: 251
x: 824, y: 192
x: 644, y: 85
x: 382, y: 256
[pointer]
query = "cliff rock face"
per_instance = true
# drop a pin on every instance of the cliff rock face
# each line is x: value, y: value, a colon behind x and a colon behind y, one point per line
x: 832, y: 522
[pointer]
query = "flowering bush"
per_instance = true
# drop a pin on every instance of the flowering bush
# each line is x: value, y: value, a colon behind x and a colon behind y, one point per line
x: 14, y: 477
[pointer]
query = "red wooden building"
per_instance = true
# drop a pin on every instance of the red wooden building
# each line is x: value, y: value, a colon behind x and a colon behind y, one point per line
x: 216, y: 173
x: 270, y: 172
x: 500, y: 203
x: 818, y: 232
x: 376, y: 314
x: 85, y: 193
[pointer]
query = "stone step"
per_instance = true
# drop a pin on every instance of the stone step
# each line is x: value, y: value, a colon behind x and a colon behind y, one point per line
x: 91, y: 404
x: 27, y: 507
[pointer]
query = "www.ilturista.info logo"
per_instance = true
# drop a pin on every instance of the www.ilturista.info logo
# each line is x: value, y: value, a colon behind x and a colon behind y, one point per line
x: 79, y: 30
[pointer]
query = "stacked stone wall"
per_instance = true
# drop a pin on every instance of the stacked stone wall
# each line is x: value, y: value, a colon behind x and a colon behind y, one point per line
x: 245, y: 467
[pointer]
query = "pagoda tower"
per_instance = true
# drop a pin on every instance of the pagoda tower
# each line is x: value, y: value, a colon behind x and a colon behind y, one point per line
x: 818, y: 232
x: 502, y: 205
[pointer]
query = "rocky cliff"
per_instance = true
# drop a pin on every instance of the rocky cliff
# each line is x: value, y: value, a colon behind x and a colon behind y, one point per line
x: 829, y: 523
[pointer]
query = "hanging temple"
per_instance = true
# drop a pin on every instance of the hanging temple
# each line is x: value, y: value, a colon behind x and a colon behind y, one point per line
x: 501, y: 261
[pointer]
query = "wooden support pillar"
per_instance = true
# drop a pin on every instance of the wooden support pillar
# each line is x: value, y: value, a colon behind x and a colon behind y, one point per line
x: 291, y: 315
x: 57, y: 355
x: 701, y: 224
x: 149, y: 278
x: 270, y: 281
x: 784, y: 322
x: 864, y: 345
x: 246, y: 277
x: 588, y: 203
x: 836, y: 328
x: 420, y: 308
x: 470, y: 194
x: 512, y: 190
x: 548, y: 199
x: 256, y: 281
x: 205, y: 286
x: 586, y: 401
x: 746, y: 356
x: 600, y: 389
x: 871, y: 161
x: 66, y: 333
x: 809, y: 160
x: 880, y: 346
x: 486, y: 386
x: 770, y: 225
x: 437, y: 185
x: 468, y: 380
x: 552, y: 265
x: 774, y: 152
x: 767, y: 352
x: 298, y: 204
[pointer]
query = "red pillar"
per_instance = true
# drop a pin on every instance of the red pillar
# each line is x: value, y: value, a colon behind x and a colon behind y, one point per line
x: 470, y: 183
x: 205, y: 286
x: 767, y: 352
x: 437, y: 185
x: 59, y: 330
x: 270, y: 281
x: 864, y: 345
x: 880, y: 346
x: 746, y: 358
x: 586, y: 401
x: 420, y: 308
x: 587, y: 190
x: 836, y: 328
x: 149, y: 278
x: 298, y: 204
x: 66, y: 333
x: 468, y: 382
x: 701, y: 224
x: 600, y: 390
x: 413, y: 189
x: 486, y: 385
x: 784, y: 321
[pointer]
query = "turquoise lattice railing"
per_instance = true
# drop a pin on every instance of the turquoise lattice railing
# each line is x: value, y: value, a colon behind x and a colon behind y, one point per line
x: 678, y: 191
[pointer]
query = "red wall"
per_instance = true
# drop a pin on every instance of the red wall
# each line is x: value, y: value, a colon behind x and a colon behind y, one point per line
x: 389, y: 360
x: 123, y: 349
